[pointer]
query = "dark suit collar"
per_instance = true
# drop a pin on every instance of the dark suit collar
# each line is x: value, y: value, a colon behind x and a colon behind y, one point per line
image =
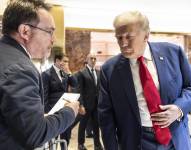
x: 54, y: 74
x: 123, y: 67
x: 10, y: 41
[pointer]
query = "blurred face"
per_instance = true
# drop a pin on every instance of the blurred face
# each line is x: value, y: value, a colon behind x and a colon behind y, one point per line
x: 91, y: 61
x: 132, y: 40
x: 42, y: 35
x: 64, y: 64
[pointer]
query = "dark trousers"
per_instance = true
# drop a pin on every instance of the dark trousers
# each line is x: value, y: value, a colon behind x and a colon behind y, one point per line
x: 66, y: 135
x: 149, y: 142
x: 89, y: 127
x: 82, y: 126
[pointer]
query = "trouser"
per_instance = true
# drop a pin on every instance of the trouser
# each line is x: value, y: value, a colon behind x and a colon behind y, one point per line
x: 149, y: 142
x: 82, y: 126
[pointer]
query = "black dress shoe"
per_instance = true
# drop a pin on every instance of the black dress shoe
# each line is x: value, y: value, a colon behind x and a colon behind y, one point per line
x: 81, y: 147
x: 99, y: 147
x: 90, y: 135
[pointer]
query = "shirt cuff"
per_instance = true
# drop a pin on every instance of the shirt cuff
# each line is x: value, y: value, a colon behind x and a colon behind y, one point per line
x: 181, y: 115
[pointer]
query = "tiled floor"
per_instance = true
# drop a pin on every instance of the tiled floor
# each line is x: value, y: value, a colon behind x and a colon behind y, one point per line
x: 73, y: 142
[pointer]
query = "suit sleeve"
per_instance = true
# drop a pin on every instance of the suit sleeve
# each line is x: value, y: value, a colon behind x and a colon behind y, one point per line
x: 81, y: 87
x: 106, y: 115
x: 46, y: 87
x: 23, y: 111
x: 72, y: 81
x: 184, y: 100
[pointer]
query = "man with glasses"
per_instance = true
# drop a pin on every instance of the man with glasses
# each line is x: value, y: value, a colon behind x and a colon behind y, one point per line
x: 27, y: 28
x: 145, y: 92
x: 56, y: 81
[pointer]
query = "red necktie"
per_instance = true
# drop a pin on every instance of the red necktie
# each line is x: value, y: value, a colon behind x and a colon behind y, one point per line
x: 162, y: 135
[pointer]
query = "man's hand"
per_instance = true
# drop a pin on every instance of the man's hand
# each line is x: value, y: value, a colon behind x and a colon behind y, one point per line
x: 82, y: 110
x: 66, y: 69
x: 74, y: 105
x: 168, y: 114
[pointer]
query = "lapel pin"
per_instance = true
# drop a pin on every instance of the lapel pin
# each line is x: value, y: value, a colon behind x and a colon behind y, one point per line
x: 161, y: 58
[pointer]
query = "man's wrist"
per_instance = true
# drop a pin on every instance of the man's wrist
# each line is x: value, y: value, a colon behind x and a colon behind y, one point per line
x: 180, y: 114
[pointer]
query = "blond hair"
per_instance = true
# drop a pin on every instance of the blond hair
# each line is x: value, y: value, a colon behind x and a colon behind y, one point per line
x: 130, y: 18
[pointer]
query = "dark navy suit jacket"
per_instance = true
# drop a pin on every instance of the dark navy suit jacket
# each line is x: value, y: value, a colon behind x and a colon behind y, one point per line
x: 22, y: 122
x: 88, y: 89
x: 54, y: 88
x: 118, y: 108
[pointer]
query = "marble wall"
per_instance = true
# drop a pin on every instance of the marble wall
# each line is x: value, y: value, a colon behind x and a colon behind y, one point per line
x: 77, y: 47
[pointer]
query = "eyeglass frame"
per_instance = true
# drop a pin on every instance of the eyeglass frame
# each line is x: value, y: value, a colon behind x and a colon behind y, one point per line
x: 51, y: 32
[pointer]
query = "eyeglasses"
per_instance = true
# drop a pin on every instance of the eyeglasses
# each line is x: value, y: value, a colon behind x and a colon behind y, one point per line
x: 51, y: 32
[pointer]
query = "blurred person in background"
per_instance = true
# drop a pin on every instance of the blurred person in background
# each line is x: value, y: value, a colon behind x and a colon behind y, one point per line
x: 88, y: 79
x: 56, y: 82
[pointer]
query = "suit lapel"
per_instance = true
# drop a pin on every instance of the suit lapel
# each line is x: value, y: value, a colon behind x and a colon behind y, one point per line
x: 91, y: 76
x: 160, y: 62
x: 55, y: 77
x: 128, y: 84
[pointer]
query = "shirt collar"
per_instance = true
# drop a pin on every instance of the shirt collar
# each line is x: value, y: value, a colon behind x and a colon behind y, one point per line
x: 26, y: 51
x: 56, y: 69
x: 146, y: 55
x: 90, y: 68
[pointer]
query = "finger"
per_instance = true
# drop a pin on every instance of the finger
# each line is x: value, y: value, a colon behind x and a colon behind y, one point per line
x: 165, y: 125
x: 160, y: 114
x: 164, y: 107
x: 159, y: 119
x: 162, y: 124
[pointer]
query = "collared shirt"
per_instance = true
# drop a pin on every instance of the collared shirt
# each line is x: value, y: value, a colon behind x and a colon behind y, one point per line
x: 149, y: 61
x: 57, y: 72
x: 94, y: 72
x: 26, y: 51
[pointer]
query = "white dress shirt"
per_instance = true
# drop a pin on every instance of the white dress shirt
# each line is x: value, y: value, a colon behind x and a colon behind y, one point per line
x: 149, y: 61
x: 94, y: 72
x: 57, y: 72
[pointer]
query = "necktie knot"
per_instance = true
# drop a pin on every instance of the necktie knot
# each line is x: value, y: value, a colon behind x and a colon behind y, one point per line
x: 141, y: 59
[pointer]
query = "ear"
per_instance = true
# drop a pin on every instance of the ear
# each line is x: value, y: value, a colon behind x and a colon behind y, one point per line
x: 24, y: 31
x: 146, y: 38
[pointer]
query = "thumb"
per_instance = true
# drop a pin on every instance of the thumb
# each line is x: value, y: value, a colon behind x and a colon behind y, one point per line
x: 164, y: 107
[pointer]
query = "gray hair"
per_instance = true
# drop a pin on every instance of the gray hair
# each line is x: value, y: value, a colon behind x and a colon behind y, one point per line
x: 130, y: 18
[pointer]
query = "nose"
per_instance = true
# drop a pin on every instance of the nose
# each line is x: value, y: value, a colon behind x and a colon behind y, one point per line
x: 53, y: 38
x: 124, y: 41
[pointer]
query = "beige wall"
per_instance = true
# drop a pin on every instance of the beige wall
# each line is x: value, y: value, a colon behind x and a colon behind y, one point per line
x: 3, y: 4
x: 58, y: 14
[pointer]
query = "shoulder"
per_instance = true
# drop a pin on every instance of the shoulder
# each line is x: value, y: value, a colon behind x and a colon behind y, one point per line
x: 47, y: 72
x: 164, y: 46
x: 23, y: 73
x: 111, y: 63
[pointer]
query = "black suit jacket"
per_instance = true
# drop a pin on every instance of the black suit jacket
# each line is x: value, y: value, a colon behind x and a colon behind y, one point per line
x: 88, y: 89
x: 54, y: 88
x: 22, y: 122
